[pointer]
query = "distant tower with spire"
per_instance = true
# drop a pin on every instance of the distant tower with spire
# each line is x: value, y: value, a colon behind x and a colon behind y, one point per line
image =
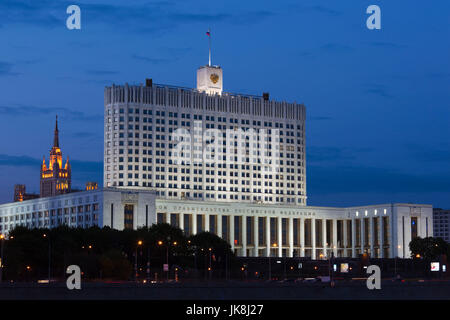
x: 55, y: 178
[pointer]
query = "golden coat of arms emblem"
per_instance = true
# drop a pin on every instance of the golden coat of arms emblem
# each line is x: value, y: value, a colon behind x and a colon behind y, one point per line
x: 214, y: 78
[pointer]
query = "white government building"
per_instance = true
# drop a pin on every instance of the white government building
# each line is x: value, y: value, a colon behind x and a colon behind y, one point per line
x: 259, y: 211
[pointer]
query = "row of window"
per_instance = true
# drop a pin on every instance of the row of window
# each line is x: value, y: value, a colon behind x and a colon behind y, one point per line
x: 160, y: 113
x: 53, y: 212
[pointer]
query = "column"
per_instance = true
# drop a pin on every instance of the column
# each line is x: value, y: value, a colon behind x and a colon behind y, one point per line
x: 219, y: 225
x: 168, y: 218
x: 206, y: 222
x: 268, y: 244
x: 335, y: 244
x: 244, y: 236
x: 255, y: 236
x: 324, y: 237
x: 302, y: 236
x: 313, y: 238
x: 345, y: 240
x: 181, y: 221
x: 372, y: 239
x: 291, y: 237
x: 380, y: 236
x: 362, y: 225
x: 353, y: 238
x: 232, y: 232
x: 194, y: 223
x: 280, y: 239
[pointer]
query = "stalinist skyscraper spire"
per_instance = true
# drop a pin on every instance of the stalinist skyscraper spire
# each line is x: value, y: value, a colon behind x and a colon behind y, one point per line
x: 55, y: 179
x: 56, y: 136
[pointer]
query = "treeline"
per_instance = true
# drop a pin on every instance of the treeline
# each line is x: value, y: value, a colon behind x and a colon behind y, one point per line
x: 31, y: 254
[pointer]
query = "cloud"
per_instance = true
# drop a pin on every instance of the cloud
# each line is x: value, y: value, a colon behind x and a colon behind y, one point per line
x: 326, y: 48
x: 437, y: 75
x: 335, y: 47
x: 358, y: 179
x: 388, y: 45
x: 101, y: 72
x: 379, y: 90
x: 30, y: 61
x: 150, y: 60
x: 319, y: 154
x: 316, y: 154
x: 6, y: 69
x: 320, y: 118
x: 21, y: 110
x: 318, y: 9
x: 430, y: 154
x: 18, y: 161
x: 199, y: 17
x: 34, y: 12
x: 26, y: 161
x: 87, y: 166
x: 322, y: 9
x: 151, y: 17
x: 84, y: 135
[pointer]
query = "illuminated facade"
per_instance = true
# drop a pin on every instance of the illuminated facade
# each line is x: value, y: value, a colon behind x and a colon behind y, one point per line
x: 55, y: 178
x: 382, y: 231
x: 139, y: 144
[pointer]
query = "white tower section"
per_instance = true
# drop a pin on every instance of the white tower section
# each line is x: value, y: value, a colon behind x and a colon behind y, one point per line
x: 210, y: 79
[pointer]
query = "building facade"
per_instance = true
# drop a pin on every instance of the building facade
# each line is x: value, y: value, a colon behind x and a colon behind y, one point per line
x: 382, y: 231
x: 140, y: 148
x: 20, y: 193
x: 119, y: 209
x: 441, y: 223
x: 56, y: 177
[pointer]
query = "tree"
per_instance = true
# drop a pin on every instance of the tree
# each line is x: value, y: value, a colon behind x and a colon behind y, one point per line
x: 428, y: 248
x: 220, y: 254
x: 114, y: 265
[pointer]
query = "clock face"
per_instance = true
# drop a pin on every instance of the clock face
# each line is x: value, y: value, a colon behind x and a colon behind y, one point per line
x: 214, y: 78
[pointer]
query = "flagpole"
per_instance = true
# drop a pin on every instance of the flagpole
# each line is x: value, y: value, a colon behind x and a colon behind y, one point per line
x: 209, y: 38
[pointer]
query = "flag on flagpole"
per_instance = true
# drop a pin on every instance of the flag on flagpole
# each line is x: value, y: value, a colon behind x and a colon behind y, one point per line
x: 208, y: 33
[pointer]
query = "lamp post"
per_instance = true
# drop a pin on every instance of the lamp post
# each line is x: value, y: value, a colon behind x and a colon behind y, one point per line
x: 160, y: 243
x: 209, y: 269
x: 148, y: 263
x: 395, y: 262
x: 270, y: 264
x: 139, y: 243
x: 49, y: 255
x: 2, y: 238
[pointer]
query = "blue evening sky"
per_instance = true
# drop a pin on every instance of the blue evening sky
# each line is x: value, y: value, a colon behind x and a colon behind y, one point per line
x: 377, y: 101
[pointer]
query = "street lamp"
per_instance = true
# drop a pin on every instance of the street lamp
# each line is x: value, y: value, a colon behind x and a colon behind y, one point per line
x: 2, y: 238
x: 49, y: 255
x: 270, y: 264
x: 160, y: 243
x: 395, y: 260
x: 139, y: 243
x: 209, y: 269
x: 148, y: 263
